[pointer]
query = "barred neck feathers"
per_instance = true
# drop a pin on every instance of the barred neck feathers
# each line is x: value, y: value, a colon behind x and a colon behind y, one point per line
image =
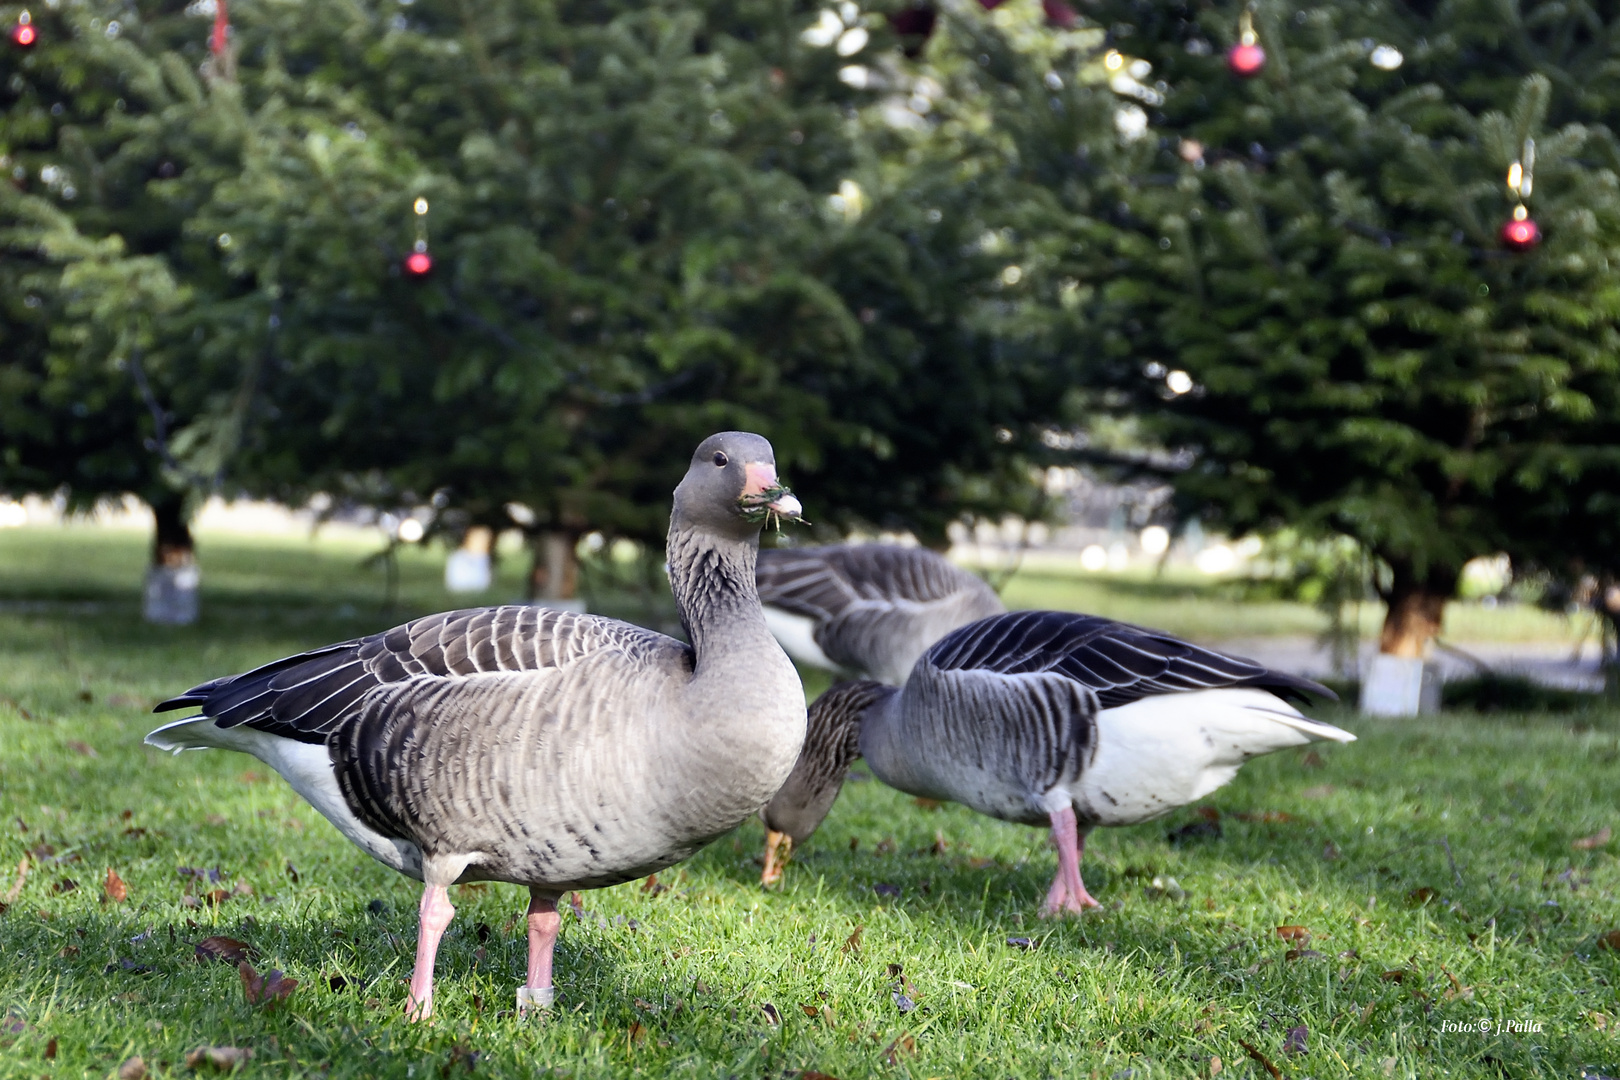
x: 831, y: 743
x: 712, y: 578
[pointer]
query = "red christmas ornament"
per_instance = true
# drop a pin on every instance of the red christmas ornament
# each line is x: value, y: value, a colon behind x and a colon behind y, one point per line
x: 418, y: 264
x: 1521, y: 234
x: 1246, y: 58
x: 24, y: 34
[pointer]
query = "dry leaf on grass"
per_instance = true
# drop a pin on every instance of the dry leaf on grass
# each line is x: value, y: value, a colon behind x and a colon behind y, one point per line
x: 269, y: 989
x: 113, y: 890
x: 1265, y: 1062
x: 1596, y: 840
x: 227, y: 949
x: 902, y: 1047
x: 133, y: 1069
x: 17, y: 885
x: 461, y: 1056
x: 223, y: 1058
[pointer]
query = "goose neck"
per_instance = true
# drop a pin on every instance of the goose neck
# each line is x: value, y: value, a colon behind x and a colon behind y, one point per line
x: 712, y: 578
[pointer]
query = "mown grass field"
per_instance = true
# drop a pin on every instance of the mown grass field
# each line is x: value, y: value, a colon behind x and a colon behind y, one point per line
x: 1432, y: 865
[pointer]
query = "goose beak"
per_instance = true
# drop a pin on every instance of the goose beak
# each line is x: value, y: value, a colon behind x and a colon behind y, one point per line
x: 778, y: 846
x: 764, y: 492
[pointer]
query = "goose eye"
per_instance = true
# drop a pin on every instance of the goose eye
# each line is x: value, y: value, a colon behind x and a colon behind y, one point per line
x: 721, y: 459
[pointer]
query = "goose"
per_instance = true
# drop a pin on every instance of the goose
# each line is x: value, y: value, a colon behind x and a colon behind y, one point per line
x: 867, y: 609
x: 1052, y: 718
x: 534, y: 746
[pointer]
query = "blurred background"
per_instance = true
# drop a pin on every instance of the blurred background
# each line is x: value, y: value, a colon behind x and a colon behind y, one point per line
x: 1292, y: 331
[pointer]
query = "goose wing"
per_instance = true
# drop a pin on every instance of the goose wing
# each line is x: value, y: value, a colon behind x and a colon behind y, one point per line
x: 308, y: 696
x: 1118, y: 662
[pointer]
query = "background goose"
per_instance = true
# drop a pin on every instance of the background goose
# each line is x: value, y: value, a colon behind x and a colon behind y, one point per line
x: 1049, y: 717
x: 867, y: 609
x: 543, y: 748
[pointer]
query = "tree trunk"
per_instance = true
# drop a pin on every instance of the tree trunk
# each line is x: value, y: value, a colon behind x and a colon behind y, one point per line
x: 554, y: 575
x: 1416, y: 611
x: 172, y: 580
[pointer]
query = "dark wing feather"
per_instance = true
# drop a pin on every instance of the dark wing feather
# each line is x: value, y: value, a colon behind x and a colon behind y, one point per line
x: 305, y: 697
x: 823, y: 582
x: 1120, y: 663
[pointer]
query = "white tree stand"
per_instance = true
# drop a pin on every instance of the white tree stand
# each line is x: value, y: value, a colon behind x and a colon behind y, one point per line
x: 1400, y: 686
x: 170, y: 595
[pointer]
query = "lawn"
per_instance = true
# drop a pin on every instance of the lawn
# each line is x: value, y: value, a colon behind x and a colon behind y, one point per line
x: 1432, y: 865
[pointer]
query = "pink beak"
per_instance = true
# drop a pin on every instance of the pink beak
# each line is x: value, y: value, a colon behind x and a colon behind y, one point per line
x: 762, y: 478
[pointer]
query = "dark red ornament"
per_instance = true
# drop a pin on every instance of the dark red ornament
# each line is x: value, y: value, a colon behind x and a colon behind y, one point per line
x: 1246, y: 60
x: 418, y: 264
x: 1521, y: 234
x: 24, y: 34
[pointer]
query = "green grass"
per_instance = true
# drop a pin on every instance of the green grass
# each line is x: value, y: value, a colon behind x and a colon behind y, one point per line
x: 676, y: 983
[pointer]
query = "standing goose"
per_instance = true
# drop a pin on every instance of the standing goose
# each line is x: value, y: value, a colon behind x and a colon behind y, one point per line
x: 1050, y: 717
x: 867, y: 609
x: 543, y: 748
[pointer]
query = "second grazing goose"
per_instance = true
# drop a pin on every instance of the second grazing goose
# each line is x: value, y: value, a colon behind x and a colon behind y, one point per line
x: 1051, y: 718
x: 543, y: 748
x: 867, y: 609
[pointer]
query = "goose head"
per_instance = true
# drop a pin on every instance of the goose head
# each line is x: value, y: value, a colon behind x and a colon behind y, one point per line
x: 832, y: 741
x: 731, y: 487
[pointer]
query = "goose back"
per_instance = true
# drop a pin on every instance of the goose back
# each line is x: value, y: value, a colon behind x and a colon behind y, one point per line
x: 868, y: 608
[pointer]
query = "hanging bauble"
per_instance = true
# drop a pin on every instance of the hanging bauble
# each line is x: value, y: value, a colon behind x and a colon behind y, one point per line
x: 25, y: 33
x: 419, y: 264
x: 1521, y: 234
x: 1246, y: 58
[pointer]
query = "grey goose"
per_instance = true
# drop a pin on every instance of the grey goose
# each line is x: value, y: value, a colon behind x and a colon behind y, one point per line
x: 543, y: 748
x: 1052, y: 718
x: 867, y: 609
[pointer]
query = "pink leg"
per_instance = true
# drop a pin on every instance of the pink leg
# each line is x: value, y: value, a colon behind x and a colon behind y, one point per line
x: 1068, y: 892
x: 436, y: 914
x: 544, y: 922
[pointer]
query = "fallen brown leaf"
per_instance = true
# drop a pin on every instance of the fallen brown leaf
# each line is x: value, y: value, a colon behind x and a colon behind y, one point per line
x: 133, y: 1069
x: 269, y: 989
x: 227, y: 949
x: 1596, y: 840
x: 1265, y: 1062
x: 1266, y: 817
x: 113, y: 890
x: 1294, y: 933
x: 17, y: 885
x: 460, y: 1055
x: 853, y: 942
x: 223, y: 1058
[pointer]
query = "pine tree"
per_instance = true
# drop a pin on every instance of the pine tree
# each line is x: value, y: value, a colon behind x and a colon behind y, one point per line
x: 1304, y: 292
